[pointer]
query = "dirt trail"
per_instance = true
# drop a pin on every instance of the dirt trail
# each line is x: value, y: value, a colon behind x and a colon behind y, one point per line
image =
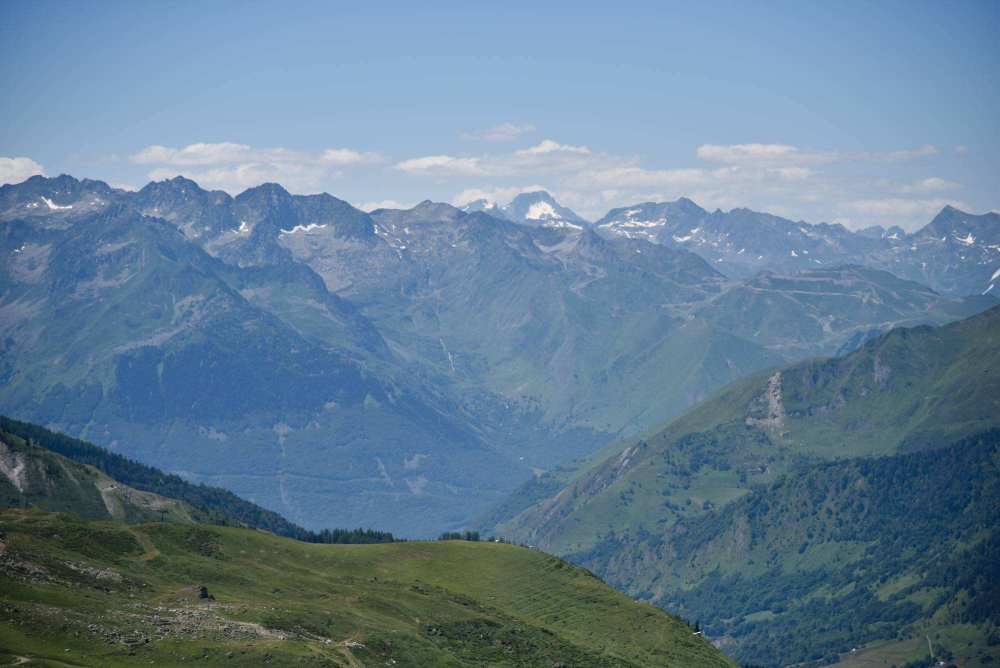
x: 344, y: 646
x: 150, y: 550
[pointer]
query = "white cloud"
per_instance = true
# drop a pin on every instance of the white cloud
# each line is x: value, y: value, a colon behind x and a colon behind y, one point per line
x: 894, y: 207
x: 193, y: 154
x: 384, y: 204
x: 793, y: 173
x: 786, y: 154
x: 236, y: 179
x: 924, y: 151
x: 549, y: 146
x: 931, y: 184
x: 441, y: 164
x: 739, y: 153
x: 547, y: 157
x: 15, y: 170
x: 493, y: 195
x: 631, y: 177
x: 961, y: 150
x: 814, y: 185
x: 346, y: 156
x: 234, y: 167
x: 501, y: 132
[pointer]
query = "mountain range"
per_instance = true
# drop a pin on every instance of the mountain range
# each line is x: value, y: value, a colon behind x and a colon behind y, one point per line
x: 400, y: 368
x: 957, y: 253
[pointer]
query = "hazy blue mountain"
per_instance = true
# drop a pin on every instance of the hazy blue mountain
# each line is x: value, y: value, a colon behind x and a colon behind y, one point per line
x: 740, y: 242
x: 404, y: 367
x: 450, y: 291
x: 826, y: 310
x: 956, y: 254
x: 117, y: 328
x: 540, y: 208
x: 197, y: 213
x: 388, y: 262
x: 556, y: 322
x: 52, y: 202
x: 537, y: 208
x: 655, y: 221
x: 483, y: 206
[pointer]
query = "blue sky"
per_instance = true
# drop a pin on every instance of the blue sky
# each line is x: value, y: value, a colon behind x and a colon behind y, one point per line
x: 855, y: 111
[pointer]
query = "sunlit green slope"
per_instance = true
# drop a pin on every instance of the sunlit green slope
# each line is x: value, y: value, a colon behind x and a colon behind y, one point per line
x: 77, y: 593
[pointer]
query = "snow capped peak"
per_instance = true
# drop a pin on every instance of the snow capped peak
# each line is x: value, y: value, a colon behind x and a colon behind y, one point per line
x: 533, y: 208
x: 483, y: 204
x: 542, y: 211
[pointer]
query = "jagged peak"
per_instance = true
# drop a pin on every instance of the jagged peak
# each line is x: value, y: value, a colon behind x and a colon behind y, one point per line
x: 273, y: 191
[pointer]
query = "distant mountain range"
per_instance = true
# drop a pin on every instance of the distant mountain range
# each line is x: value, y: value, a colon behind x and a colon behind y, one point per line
x: 957, y: 253
x: 403, y: 368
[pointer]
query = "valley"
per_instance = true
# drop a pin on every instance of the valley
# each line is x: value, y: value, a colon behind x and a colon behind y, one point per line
x: 711, y: 444
x: 528, y: 335
x: 408, y: 368
x: 856, y: 492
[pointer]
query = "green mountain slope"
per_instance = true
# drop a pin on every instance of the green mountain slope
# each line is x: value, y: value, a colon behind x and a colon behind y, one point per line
x: 839, y: 555
x: 31, y: 475
x: 907, y: 390
x: 76, y: 593
x: 64, y: 470
x: 762, y: 513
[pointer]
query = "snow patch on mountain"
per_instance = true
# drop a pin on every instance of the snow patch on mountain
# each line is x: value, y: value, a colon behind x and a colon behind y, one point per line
x: 304, y: 228
x: 687, y: 237
x: 55, y: 207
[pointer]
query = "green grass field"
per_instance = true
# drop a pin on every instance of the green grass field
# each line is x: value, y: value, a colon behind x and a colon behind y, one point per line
x: 79, y: 593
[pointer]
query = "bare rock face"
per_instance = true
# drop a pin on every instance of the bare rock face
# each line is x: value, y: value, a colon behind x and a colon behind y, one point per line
x: 770, y: 405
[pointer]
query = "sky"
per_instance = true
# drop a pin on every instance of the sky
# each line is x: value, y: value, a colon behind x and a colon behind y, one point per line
x: 854, y: 112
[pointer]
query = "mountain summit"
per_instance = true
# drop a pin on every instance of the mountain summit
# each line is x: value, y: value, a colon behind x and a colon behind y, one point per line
x: 537, y: 208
